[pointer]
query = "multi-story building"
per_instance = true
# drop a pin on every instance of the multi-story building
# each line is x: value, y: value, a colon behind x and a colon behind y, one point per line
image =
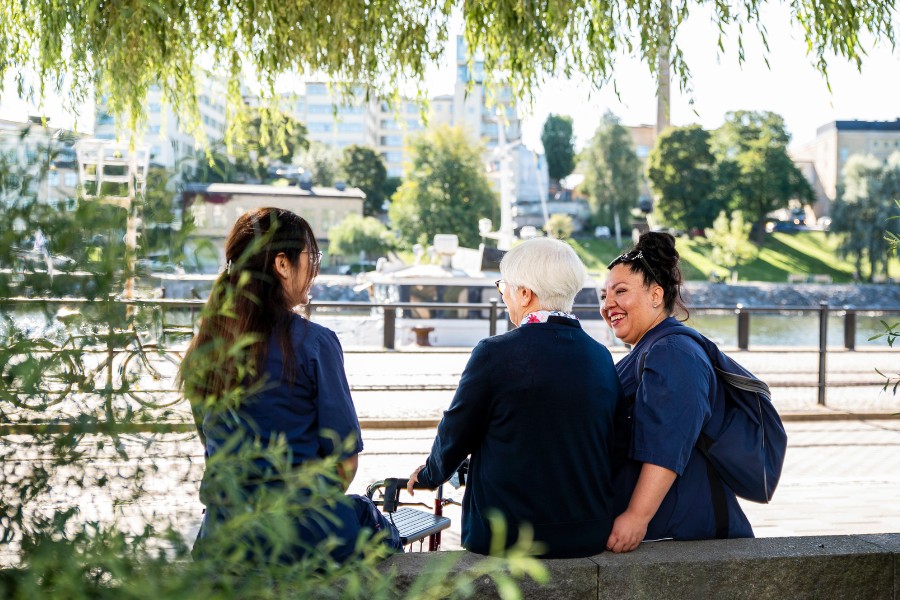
x: 478, y: 110
x: 441, y: 110
x: 43, y: 155
x: 333, y: 121
x: 822, y: 161
x: 163, y: 133
x: 394, y: 124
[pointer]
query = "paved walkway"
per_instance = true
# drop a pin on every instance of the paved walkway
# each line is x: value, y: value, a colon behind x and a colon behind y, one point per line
x: 417, y: 386
x: 839, y: 478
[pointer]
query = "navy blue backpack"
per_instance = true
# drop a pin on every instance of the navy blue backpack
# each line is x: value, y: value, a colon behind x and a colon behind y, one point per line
x: 747, y: 452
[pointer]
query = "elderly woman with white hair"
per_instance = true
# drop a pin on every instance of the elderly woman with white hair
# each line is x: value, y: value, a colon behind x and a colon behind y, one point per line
x: 534, y: 409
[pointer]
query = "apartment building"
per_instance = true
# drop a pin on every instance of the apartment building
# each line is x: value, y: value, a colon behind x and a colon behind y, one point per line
x: 163, y: 133
x: 823, y: 160
x: 333, y: 121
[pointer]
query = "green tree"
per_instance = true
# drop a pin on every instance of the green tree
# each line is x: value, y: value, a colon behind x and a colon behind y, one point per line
x: 559, y: 226
x: 866, y: 204
x: 357, y: 234
x: 320, y: 164
x: 612, y: 176
x: 265, y: 140
x: 364, y: 168
x: 765, y: 177
x: 682, y: 171
x: 730, y: 239
x: 556, y: 136
x: 377, y: 45
x: 162, y: 234
x: 268, y: 138
x: 444, y: 191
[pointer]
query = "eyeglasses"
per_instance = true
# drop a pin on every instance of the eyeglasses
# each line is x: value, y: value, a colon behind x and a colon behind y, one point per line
x: 314, y: 257
x: 501, y: 286
x: 631, y: 257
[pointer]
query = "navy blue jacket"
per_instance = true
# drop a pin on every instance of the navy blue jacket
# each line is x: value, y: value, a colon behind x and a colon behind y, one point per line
x: 673, y: 400
x: 534, y: 408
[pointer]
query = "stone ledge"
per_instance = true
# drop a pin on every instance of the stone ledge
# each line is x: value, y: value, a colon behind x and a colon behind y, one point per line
x: 860, y: 567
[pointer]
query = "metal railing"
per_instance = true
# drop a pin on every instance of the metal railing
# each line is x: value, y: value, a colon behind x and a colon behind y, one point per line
x: 494, y: 311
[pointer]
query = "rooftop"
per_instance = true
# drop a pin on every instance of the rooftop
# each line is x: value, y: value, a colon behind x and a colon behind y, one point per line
x: 860, y: 126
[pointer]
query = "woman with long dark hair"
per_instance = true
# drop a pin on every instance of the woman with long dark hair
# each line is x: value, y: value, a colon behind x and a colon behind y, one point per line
x: 269, y: 395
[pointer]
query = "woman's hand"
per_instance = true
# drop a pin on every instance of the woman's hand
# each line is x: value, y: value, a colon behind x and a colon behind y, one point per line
x: 630, y: 528
x: 414, y: 478
x: 628, y: 532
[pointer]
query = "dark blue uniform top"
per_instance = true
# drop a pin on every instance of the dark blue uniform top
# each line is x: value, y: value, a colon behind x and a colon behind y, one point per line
x: 313, y: 411
x: 672, y: 401
x: 534, y: 408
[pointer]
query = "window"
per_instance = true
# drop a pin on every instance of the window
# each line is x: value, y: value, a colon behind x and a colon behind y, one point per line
x: 154, y: 129
x: 155, y: 107
x: 393, y: 156
x: 316, y: 89
x: 642, y: 151
x: 413, y: 124
x: 845, y: 153
x: 218, y: 215
x: 53, y: 179
x: 391, y: 140
x: 389, y: 124
x: 320, y: 109
x: 155, y: 151
x: 70, y: 179
x: 350, y: 127
x: 198, y: 210
x: 319, y: 127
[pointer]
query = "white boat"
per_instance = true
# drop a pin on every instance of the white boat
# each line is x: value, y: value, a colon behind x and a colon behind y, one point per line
x: 454, y: 284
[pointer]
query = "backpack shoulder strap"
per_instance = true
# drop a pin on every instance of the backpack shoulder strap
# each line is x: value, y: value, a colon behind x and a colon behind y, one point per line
x: 656, y: 336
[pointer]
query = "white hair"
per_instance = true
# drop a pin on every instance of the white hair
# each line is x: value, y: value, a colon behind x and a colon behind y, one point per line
x: 549, y: 268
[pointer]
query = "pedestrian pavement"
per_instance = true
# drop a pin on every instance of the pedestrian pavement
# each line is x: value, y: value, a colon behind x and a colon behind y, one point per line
x: 414, y: 386
x: 839, y: 477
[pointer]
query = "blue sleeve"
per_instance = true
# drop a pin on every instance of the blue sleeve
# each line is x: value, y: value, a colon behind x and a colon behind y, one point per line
x: 336, y: 413
x: 463, y: 425
x: 672, y: 403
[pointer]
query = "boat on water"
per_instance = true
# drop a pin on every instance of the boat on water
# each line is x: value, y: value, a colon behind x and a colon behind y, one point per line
x: 463, y: 279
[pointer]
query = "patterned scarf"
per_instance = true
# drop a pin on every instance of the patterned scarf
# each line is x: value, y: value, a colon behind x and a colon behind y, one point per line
x: 541, y: 316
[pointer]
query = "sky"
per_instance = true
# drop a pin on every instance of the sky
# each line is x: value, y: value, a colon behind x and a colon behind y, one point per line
x: 789, y: 86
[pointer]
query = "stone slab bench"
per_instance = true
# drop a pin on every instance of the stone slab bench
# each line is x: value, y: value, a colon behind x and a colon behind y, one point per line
x: 857, y: 566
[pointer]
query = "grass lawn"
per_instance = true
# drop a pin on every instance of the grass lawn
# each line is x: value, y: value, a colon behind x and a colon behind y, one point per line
x: 782, y: 254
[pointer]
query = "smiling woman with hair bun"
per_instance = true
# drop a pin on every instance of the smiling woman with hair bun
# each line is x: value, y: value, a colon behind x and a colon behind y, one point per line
x: 664, y: 486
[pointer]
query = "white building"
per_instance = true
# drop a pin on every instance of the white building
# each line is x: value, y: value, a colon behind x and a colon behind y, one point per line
x: 822, y: 161
x: 394, y: 124
x: 46, y: 156
x: 475, y: 109
x: 163, y: 133
x: 331, y: 121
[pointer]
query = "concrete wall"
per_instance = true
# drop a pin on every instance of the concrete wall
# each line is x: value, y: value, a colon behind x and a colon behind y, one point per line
x: 859, y: 567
